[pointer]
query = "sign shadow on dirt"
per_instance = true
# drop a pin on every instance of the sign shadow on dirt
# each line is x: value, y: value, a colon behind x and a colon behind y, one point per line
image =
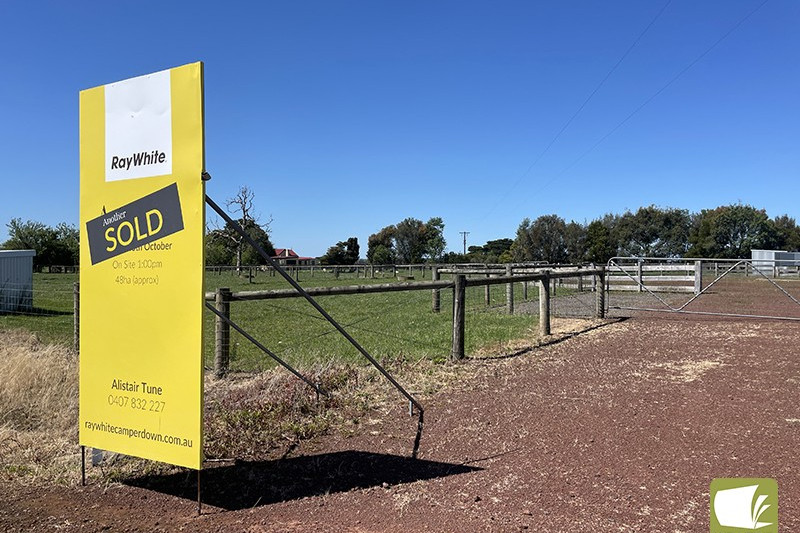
x: 247, y: 484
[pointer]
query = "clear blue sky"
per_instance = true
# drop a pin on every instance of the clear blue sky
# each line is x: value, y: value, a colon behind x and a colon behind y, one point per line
x: 348, y: 116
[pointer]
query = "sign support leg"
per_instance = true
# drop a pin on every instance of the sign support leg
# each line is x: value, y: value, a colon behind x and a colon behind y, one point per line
x: 199, y: 501
x: 83, y: 465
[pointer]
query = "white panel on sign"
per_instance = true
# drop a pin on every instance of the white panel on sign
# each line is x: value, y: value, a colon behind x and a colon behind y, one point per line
x: 138, y: 127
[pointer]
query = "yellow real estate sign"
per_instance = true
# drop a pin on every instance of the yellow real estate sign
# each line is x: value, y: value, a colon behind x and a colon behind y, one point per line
x: 142, y: 221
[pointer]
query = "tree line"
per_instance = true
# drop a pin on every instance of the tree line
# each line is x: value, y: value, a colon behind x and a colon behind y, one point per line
x: 729, y: 231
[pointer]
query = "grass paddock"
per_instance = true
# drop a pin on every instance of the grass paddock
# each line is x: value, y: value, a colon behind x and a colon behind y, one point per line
x: 391, y: 326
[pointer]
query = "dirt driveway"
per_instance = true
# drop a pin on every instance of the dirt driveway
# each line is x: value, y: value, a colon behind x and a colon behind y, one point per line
x: 618, y: 429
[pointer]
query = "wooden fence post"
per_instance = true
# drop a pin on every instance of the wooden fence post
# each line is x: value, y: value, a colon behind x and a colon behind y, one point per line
x: 459, y: 315
x: 698, y: 277
x: 222, y: 333
x: 487, y: 292
x: 639, y: 278
x: 525, y: 291
x: 544, y: 305
x: 599, y: 295
x: 509, y: 291
x: 76, y: 312
x: 437, y: 302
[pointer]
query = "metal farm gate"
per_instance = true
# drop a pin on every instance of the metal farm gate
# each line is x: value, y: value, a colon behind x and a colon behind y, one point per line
x: 740, y: 288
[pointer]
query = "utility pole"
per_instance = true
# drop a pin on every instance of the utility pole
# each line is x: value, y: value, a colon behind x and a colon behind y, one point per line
x: 464, y: 234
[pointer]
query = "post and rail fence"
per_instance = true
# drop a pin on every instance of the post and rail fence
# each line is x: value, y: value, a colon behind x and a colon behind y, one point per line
x: 622, y: 274
x: 223, y: 298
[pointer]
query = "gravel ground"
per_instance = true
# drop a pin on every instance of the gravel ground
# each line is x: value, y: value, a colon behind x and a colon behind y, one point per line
x: 621, y: 428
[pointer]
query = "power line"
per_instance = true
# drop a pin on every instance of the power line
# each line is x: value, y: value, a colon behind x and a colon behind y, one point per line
x: 657, y: 93
x: 580, y: 108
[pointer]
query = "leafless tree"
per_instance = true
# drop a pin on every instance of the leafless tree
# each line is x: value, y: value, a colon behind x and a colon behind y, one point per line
x: 240, y: 207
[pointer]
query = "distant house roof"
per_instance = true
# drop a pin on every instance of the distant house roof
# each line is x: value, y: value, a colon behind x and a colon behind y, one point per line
x: 285, y: 252
x: 288, y: 253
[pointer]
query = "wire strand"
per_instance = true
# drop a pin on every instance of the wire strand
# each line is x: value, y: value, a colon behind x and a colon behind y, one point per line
x: 580, y: 108
x: 656, y: 94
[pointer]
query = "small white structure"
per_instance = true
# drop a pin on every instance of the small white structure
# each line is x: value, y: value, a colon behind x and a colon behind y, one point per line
x: 773, y: 262
x: 16, y: 280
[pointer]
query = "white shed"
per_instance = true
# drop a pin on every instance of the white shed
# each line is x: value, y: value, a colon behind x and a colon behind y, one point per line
x: 16, y: 280
x: 769, y: 261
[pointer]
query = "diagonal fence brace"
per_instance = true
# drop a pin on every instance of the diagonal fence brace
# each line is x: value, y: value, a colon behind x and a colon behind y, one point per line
x: 266, y: 350
x: 274, y: 264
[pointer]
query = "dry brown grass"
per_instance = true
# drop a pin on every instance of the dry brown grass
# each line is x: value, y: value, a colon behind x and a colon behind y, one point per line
x: 38, y: 407
x: 255, y: 416
x: 247, y: 416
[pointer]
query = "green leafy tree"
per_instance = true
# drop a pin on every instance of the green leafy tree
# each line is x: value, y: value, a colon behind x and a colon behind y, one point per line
x: 69, y: 248
x: 522, y: 248
x: 541, y: 240
x: 353, y: 251
x: 380, y: 246
x: 731, y: 231
x: 227, y: 247
x: 653, y: 231
x: 505, y: 257
x: 217, y: 251
x: 494, y: 251
x: 256, y: 232
x: 454, y: 257
x: 787, y: 233
x: 54, y: 246
x: 382, y: 255
x: 600, y: 246
x: 575, y: 242
x: 409, y: 240
x: 433, y: 235
x: 342, y: 253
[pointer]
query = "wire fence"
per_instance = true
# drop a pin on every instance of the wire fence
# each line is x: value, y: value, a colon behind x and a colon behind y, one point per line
x: 418, y: 322
x: 393, y: 325
x: 47, y: 309
x: 323, y: 273
x: 400, y: 325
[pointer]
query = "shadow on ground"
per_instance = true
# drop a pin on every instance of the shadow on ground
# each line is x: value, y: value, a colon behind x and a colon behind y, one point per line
x: 249, y: 484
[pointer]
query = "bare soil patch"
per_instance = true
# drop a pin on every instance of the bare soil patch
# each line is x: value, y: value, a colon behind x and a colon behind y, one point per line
x: 620, y: 428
